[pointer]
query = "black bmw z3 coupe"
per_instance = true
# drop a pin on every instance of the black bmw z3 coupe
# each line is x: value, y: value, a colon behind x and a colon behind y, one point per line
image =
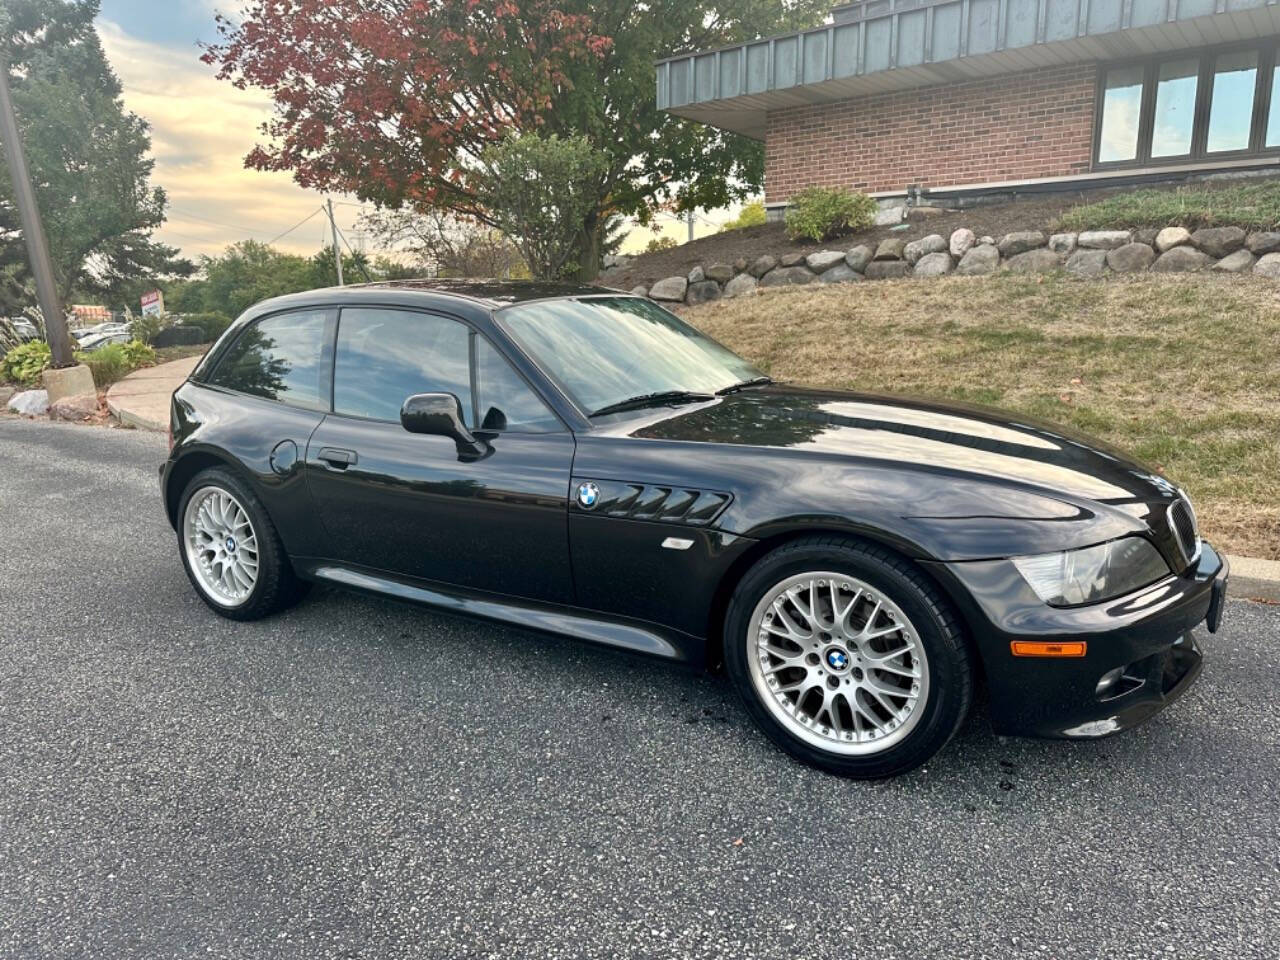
x: 579, y: 461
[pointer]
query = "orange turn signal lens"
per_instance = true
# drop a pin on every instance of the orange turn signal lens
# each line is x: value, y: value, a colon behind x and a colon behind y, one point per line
x: 1030, y: 648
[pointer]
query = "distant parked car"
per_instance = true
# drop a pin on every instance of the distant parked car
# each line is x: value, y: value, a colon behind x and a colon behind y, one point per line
x: 24, y: 328
x: 97, y: 341
x: 110, y: 328
x: 582, y: 461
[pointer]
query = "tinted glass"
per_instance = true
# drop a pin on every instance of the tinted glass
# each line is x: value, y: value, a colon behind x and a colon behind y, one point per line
x: 604, y: 350
x: 1176, y: 85
x: 506, y: 402
x: 386, y: 356
x: 1121, y: 111
x: 1231, y: 112
x: 280, y: 358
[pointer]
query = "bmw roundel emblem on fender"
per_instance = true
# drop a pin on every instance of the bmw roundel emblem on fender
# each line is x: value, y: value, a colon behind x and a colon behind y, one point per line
x: 588, y: 495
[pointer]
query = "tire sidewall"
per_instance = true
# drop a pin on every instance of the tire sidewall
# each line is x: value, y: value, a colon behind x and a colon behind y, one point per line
x: 948, y: 660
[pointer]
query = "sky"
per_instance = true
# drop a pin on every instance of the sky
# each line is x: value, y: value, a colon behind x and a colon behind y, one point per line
x: 202, y: 129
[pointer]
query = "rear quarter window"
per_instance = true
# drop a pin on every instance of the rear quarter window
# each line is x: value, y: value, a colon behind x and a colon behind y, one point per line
x: 282, y: 358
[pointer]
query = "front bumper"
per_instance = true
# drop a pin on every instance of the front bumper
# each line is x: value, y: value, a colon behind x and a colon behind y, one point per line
x: 1148, y: 636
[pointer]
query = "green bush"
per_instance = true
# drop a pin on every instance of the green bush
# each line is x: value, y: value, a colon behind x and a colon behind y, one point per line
x: 147, y: 328
x: 822, y: 213
x: 213, y: 325
x: 752, y: 215
x: 116, y: 361
x: 24, y: 363
x: 658, y: 244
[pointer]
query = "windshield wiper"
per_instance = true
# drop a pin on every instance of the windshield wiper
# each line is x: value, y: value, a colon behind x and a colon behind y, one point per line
x: 653, y: 400
x: 734, y: 388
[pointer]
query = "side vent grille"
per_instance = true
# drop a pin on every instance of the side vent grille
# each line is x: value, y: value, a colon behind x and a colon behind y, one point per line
x: 1182, y: 520
x: 636, y: 501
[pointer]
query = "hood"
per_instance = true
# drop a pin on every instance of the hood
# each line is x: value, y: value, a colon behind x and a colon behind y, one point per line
x: 935, y: 437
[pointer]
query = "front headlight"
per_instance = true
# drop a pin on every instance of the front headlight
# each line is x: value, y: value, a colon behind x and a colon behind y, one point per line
x: 1093, y: 574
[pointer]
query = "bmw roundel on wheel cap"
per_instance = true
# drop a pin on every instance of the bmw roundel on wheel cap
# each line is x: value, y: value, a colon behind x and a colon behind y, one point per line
x: 588, y: 495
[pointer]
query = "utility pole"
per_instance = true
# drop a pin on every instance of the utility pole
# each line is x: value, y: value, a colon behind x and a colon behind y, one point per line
x: 55, y: 321
x: 692, y: 219
x: 337, y: 250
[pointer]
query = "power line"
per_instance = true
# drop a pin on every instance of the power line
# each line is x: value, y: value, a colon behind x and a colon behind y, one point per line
x: 357, y: 260
x: 300, y: 223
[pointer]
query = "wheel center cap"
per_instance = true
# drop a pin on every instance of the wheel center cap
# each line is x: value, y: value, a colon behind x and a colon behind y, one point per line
x: 231, y: 544
x: 837, y: 659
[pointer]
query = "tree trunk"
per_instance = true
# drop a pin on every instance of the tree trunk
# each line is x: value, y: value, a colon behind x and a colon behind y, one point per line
x: 589, y: 250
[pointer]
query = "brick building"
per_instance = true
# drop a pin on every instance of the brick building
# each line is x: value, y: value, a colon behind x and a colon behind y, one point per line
x: 968, y: 96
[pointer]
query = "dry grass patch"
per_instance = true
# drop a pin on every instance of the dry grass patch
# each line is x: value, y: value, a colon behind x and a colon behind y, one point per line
x: 1184, y: 372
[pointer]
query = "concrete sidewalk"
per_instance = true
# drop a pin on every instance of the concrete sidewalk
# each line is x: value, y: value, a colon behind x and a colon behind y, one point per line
x: 142, y: 399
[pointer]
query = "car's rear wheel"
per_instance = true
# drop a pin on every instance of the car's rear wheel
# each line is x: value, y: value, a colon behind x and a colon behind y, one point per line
x: 230, y: 548
x: 848, y: 657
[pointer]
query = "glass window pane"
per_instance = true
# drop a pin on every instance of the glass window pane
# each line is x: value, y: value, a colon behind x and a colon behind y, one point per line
x: 1273, y: 114
x: 279, y: 358
x: 506, y: 401
x: 607, y: 349
x: 1231, y: 112
x: 386, y: 356
x: 1176, y: 85
x: 1121, y: 110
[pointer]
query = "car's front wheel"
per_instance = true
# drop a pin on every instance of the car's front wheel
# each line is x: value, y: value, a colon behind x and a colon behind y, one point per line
x: 848, y: 657
x: 230, y: 548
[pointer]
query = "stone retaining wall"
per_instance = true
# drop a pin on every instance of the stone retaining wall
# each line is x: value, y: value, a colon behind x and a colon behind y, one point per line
x: 1089, y: 254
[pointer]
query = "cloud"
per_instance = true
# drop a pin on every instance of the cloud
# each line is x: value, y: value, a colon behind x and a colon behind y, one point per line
x: 201, y: 130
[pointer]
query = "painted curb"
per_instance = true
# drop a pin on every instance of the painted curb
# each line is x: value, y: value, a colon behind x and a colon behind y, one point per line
x: 1254, y: 579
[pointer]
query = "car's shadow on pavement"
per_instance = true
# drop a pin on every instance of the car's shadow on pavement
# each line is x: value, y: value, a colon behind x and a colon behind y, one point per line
x: 625, y: 703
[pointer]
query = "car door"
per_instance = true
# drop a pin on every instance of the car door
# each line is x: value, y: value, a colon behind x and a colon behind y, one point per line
x: 408, y: 503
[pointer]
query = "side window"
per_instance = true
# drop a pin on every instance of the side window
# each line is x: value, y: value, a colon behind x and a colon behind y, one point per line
x: 385, y: 356
x: 505, y: 401
x: 280, y: 358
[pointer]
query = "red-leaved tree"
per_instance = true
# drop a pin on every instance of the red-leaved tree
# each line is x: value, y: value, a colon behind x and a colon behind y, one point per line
x: 396, y: 100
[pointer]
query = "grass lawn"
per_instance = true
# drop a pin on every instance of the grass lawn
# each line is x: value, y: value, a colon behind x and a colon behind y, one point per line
x: 1183, y: 372
x: 1253, y: 204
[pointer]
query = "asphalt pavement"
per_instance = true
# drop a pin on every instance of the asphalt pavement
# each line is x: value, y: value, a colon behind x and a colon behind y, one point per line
x: 359, y: 778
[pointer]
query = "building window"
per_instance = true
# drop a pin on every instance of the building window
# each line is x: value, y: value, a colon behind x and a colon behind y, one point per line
x: 1176, y: 85
x: 1202, y: 106
x: 1121, y: 111
x: 1235, y: 78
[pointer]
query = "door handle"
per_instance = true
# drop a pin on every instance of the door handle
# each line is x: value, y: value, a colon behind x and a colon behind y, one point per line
x: 336, y: 459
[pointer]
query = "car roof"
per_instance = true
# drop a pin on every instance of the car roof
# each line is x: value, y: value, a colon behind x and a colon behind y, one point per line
x: 492, y: 293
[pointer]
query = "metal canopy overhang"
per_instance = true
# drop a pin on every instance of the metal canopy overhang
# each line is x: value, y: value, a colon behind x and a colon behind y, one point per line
x: 813, y: 67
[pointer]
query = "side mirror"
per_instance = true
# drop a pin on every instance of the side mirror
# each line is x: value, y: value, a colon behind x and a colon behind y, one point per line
x: 440, y: 415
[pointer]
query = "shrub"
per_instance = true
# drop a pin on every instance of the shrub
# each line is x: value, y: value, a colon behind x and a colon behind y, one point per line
x: 146, y: 328
x: 24, y: 363
x: 752, y: 215
x: 116, y: 361
x: 213, y: 325
x: 822, y: 213
x: 658, y: 244
x: 539, y: 191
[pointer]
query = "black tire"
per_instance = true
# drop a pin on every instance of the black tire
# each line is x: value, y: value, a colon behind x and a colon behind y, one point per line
x: 277, y: 586
x: 949, y: 659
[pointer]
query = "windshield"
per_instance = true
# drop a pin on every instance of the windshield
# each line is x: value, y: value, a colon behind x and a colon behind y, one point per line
x: 607, y: 350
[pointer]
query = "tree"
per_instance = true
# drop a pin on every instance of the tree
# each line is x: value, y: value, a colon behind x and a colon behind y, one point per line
x: 408, y: 95
x: 444, y: 244
x: 89, y: 158
x: 246, y: 273
x: 538, y: 190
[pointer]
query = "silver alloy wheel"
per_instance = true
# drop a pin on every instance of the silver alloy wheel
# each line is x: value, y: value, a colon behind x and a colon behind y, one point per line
x: 837, y: 663
x: 222, y: 546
